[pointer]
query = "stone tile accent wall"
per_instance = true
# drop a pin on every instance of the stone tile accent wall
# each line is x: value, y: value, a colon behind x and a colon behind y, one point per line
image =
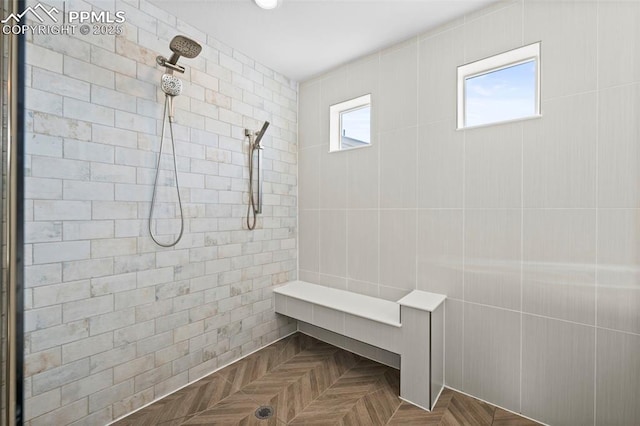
x: 114, y: 321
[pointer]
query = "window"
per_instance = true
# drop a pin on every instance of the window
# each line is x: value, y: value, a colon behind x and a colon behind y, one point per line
x: 500, y: 88
x: 350, y: 124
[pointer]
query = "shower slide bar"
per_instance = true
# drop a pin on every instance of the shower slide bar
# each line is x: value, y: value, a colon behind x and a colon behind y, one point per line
x: 254, y: 206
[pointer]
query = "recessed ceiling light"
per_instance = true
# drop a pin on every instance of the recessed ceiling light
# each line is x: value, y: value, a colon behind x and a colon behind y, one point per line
x: 267, y: 4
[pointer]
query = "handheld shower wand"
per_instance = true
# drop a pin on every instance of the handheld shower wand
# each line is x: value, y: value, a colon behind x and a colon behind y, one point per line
x: 255, y: 203
x: 172, y: 87
x: 261, y: 133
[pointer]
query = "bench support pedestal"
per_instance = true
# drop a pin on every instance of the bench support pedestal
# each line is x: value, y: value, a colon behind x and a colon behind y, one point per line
x: 421, y: 357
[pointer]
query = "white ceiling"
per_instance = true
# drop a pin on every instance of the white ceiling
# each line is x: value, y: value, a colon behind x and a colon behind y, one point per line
x: 303, y: 38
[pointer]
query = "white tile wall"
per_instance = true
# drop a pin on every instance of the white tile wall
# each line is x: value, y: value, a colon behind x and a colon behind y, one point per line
x: 560, y: 154
x: 114, y: 321
x: 363, y: 182
x: 398, y: 177
x: 398, y: 87
x: 489, y: 373
x: 437, y: 86
x: 564, y: 354
x: 333, y: 242
x: 618, y: 156
x: 493, y: 166
x: 530, y: 228
x: 569, y: 38
x: 398, y: 249
x: 333, y: 188
x: 441, y: 166
x: 362, y: 245
x: 617, y: 56
x: 492, y: 256
x: 618, y: 285
x: 617, y: 367
x: 559, y: 255
x: 439, y: 253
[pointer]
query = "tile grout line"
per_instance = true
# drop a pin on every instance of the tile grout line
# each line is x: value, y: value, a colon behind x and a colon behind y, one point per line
x: 471, y: 209
x: 318, y: 242
x: 346, y: 227
x: 298, y: 151
x: 379, y: 176
x: 417, y: 160
x: 521, y: 262
x: 522, y: 17
x: 596, y: 188
x: 464, y: 211
x: 533, y: 314
x: 347, y: 204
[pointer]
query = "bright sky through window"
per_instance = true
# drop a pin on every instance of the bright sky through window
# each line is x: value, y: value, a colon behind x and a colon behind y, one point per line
x: 350, y: 124
x: 356, y: 124
x: 502, y: 95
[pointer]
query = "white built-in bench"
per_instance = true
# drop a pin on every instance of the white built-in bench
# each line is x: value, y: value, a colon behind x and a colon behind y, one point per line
x: 412, y: 327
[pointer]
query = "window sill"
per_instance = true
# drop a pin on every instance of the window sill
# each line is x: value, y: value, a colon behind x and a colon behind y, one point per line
x: 496, y: 123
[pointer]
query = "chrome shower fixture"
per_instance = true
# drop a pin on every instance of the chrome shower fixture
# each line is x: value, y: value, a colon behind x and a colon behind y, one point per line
x: 260, y: 133
x: 254, y: 207
x: 183, y: 46
x: 180, y: 46
x: 171, y: 86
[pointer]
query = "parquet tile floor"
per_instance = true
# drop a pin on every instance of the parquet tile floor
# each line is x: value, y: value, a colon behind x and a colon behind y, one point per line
x: 309, y: 382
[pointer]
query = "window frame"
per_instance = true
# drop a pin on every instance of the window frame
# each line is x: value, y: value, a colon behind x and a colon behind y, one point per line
x: 495, y: 63
x: 335, y: 121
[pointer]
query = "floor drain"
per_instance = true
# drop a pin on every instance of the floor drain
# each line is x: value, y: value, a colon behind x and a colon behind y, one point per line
x: 264, y: 412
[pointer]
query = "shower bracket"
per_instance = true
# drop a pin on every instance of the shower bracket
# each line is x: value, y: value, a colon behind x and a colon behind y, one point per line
x: 251, y: 133
x: 164, y: 62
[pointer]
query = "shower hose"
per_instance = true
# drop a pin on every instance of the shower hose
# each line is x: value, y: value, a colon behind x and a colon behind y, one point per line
x: 167, y: 113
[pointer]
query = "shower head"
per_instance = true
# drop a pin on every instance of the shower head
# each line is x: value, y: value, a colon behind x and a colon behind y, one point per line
x: 261, y: 132
x: 171, y: 85
x: 183, y: 46
x: 180, y: 46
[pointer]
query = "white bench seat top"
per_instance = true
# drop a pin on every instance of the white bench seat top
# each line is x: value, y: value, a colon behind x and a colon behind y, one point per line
x: 422, y: 300
x: 372, y: 308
